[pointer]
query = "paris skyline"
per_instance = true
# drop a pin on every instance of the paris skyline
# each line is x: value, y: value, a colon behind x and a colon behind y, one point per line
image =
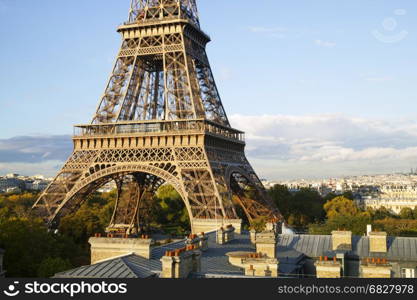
x: 335, y: 99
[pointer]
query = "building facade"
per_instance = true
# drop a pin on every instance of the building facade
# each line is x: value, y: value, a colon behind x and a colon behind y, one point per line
x: 14, y: 183
x: 392, y: 197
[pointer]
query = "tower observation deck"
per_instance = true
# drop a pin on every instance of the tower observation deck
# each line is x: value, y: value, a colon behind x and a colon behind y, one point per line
x: 160, y: 120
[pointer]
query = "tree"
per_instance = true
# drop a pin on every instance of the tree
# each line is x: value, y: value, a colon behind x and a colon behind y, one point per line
x: 50, y: 266
x: 18, y: 205
x: 28, y: 243
x: 292, y: 220
x: 282, y: 198
x: 397, y: 227
x: 297, y: 220
x: 381, y: 213
x: 356, y: 224
x: 299, y: 208
x: 340, y: 206
x: 171, y: 211
x: 258, y: 224
x: 406, y: 213
x: 93, y: 217
x: 309, y: 203
x: 349, y: 195
x: 167, y: 191
x: 330, y: 196
x: 82, y: 225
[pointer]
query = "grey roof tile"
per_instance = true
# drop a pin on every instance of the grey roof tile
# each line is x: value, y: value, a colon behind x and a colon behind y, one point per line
x: 291, y: 250
x: 399, y: 248
x: 122, y: 267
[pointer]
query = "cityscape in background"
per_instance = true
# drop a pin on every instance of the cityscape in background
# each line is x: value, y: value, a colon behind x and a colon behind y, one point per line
x: 159, y: 184
x: 16, y: 183
x: 392, y: 191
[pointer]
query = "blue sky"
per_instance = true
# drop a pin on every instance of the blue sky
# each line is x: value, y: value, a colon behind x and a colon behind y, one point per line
x: 327, y: 82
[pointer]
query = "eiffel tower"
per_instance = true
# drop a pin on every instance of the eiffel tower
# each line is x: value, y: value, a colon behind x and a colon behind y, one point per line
x: 160, y: 120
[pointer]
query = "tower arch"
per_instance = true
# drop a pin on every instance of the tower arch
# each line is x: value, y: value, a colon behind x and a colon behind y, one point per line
x: 160, y: 114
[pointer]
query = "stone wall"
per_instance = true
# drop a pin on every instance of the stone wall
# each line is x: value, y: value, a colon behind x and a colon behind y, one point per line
x: 266, y: 243
x: 378, y: 242
x: 341, y: 240
x: 376, y: 271
x: 261, y: 267
x: 105, y: 248
x: 328, y: 269
x: 209, y: 225
x: 181, y: 263
x: 203, y: 242
x: 225, y: 235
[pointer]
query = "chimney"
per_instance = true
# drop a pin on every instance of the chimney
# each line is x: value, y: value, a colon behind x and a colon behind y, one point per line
x: 225, y: 234
x: 368, y: 229
x: 378, y: 242
x: 266, y: 243
x: 342, y: 240
x: 180, y: 263
x: 261, y: 267
x: 107, y: 247
x: 328, y: 267
x: 203, y: 242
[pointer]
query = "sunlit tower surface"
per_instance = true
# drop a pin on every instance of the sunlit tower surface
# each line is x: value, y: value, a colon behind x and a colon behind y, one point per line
x: 160, y: 120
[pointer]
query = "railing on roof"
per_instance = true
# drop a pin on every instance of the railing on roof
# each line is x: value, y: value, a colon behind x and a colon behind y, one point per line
x: 157, y: 12
x: 198, y: 126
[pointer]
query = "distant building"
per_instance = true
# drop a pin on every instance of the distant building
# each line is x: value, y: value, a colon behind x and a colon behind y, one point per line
x: 12, y: 175
x: 392, y: 197
x: 10, y: 183
x: 13, y: 183
x: 393, y: 191
x: 28, y: 184
x: 108, y: 187
x: 40, y: 185
x: 268, y: 184
x: 13, y: 190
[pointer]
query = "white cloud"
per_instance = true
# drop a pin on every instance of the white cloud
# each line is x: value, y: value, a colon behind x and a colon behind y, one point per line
x: 48, y: 168
x: 327, y: 145
x: 279, y: 146
x: 325, y: 44
x: 30, y: 155
x: 34, y: 149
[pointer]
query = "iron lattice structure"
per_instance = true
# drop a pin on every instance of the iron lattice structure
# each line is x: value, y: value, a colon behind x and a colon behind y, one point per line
x: 160, y: 120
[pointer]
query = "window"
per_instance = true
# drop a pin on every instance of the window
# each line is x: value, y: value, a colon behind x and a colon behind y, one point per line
x: 408, y: 273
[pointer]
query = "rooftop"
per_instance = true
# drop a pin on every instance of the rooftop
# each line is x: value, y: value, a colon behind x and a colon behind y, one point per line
x: 399, y: 248
x: 214, y: 262
x: 291, y: 253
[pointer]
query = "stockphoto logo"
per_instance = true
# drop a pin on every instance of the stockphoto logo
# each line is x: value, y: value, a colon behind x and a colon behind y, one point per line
x: 12, y: 290
x: 70, y: 289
